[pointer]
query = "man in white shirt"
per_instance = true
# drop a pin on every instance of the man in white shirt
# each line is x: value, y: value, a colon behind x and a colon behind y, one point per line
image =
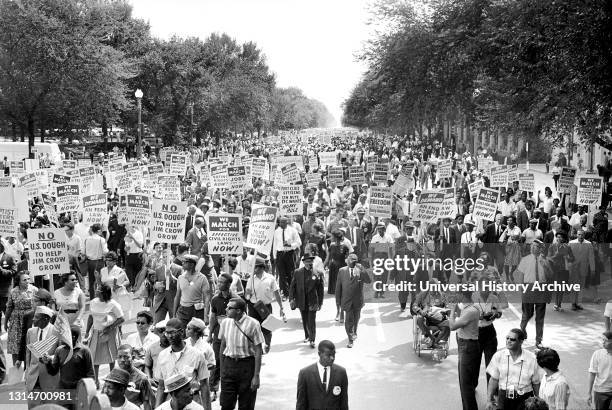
x: 74, y: 244
x: 286, y: 242
x: 507, y: 207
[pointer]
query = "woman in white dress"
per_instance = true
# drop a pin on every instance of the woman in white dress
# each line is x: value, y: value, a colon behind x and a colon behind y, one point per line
x: 102, y: 332
x: 113, y: 276
x: 71, y: 299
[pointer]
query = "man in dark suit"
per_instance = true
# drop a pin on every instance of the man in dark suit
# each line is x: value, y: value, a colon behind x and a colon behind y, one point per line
x: 490, y: 237
x: 349, y: 294
x: 7, y: 272
x: 323, y: 385
x: 446, y: 239
x: 306, y: 293
x: 190, y: 219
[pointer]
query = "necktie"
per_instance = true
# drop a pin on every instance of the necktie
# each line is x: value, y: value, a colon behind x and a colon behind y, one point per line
x: 352, y: 275
x: 325, y: 378
x: 537, y: 273
x: 497, y: 230
x: 283, y: 236
x: 446, y: 234
x: 40, y: 335
x: 408, y: 207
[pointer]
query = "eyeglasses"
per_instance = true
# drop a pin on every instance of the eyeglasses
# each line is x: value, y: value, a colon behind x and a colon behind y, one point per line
x: 171, y: 332
x: 512, y: 339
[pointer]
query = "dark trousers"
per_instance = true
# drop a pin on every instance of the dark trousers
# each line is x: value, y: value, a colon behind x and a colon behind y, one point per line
x: 215, y: 375
x: 602, y: 401
x: 469, y: 369
x: 504, y: 403
x: 255, y: 315
x: 309, y: 318
x: 236, y: 376
x: 540, y: 311
x: 186, y: 313
x: 487, y: 342
x: 133, y: 265
x: 351, y: 320
x: 167, y: 307
x: 285, y: 265
x: 93, y: 266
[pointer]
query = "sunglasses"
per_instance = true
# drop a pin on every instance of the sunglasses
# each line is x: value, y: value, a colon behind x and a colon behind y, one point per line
x: 512, y: 339
x: 141, y: 323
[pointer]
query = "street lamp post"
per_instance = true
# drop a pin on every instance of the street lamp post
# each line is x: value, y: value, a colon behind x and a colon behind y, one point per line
x: 138, y: 94
x: 191, y: 125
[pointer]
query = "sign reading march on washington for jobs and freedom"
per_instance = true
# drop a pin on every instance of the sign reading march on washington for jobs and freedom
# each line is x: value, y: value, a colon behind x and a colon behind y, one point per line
x: 168, y: 225
x: 48, y: 251
x: 224, y: 234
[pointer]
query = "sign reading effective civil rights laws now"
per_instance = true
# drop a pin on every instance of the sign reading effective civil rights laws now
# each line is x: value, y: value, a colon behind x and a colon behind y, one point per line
x: 138, y: 210
x: 48, y: 251
x: 589, y: 191
x: 68, y: 198
x: 168, y: 224
x: 485, y: 206
x: 224, y: 234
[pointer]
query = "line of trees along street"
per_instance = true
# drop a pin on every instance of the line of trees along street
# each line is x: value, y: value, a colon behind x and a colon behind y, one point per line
x: 533, y: 69
x: 75, y: 64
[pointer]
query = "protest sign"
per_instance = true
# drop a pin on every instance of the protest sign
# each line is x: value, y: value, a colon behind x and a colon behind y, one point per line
x: 291, y: 174
x: 313, y: 163
x: 357, y: 175
x: 84, y: 162
x: 428, y: 207
x: 499, y: 176
x: 290, y: 200
x: 178, y: 164
x: 95, y: 209
x: 224, y: 234
x: 122, y: 216
x: 258, y: 166
x: 31, y: 165
x: 485, y: 205
x: 589, y: 191
x: 404, y: 181
x: 313, y: 179
x: 237, y: 178
x: 6, y: 192
x: 513, y: 174
x: 69, y: 164
x: 68, y: 198
x: 335, y: 176
x: 566, y: 180
x: 444, y: 168
x: 380, y: 202
x: 526, y: 182
x: 261, y: 228
x: 449, y: 205
x: 168, y: 224
x: 281, y: 161
x: 126, y: 184
x: 87, y: 175
x: 328, y: 159
x: 475, y: 186
x: 42, y: 178
x: 30, y: 183
x: 138, y: 210
x: 154, y: 171
x: 371, y: 163
x: 218, y: 174
x: 48, y: 251
x: 380, y: 173
x: 20, y: 201
x: 49, y: 204
x: 8, y: 222
x: 16, y: 168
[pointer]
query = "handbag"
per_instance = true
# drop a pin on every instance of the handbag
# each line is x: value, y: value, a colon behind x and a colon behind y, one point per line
x: 259, y: 306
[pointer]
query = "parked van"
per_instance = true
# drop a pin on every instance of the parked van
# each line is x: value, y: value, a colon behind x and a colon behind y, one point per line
x: 17, y: 151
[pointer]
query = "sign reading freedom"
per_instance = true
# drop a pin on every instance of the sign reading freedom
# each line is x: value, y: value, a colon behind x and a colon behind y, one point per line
x: 224, y: 234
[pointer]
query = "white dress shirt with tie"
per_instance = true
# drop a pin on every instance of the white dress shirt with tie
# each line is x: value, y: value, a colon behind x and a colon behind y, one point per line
x: 324, y: 373
x: 290, y: 235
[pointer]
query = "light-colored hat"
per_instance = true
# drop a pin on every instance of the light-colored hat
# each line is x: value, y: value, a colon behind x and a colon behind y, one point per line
x: 197, y: 323
x: 161, y: 324
x: 191, y: 258
x: 175, y: 382
x: 44, y: 310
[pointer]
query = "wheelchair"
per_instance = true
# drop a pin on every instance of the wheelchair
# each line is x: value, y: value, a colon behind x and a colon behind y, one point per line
x: 438, y: 353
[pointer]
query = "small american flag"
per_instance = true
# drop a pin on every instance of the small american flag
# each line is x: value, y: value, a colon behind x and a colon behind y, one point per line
x: 62, y: 332
x: 42, y: 346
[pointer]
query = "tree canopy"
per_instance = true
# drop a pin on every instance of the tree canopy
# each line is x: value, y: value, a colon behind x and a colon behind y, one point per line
x: 533, y: 68
x: 75, y: 64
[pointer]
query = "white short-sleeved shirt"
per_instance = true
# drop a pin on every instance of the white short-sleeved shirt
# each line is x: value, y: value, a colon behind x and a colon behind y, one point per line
x: 601, y: 365
x: 521, y: 373
x: 104, y: 313
x: 262, y: 289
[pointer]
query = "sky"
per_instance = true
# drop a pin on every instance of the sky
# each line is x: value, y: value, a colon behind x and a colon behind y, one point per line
x: 309, y: 44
